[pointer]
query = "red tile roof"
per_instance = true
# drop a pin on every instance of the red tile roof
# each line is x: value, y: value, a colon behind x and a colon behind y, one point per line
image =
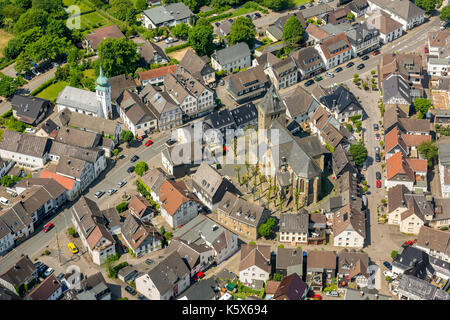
x: 333, y: 40
x: 64, y: 181
x: 396, y: 165
x: 417, y: 164
x: 415, y: 139
x: 393, y: 139
x: 173, y: 194
x: 156, y: 73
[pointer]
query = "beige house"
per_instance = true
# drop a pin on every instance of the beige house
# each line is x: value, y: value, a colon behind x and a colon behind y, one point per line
x: 255, y: 263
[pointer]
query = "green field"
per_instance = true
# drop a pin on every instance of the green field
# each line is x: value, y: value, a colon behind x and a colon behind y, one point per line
x: 94, y: 20
x: 247, y: 8
x: 299, y: 2
x: 51, y: 92
x: 83, y: 7
x: 89, y: 73
x: 4, y: 38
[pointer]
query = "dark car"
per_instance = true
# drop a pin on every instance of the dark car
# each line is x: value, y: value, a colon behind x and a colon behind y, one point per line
x: 377, y: 157
x: 302, y: 7
x: 338, y: 69
x: 387, y: 265
x: 42, y: 269
x: 134, y: 158
x: 130, y: 169
x: 130, y: 290
x: 149, y: 261
x: 365, y: 58
x: 37, y: 264
x: 124, y: 248
x: 170, y: 142
x: 141, y: 297
x: 60, y: 276
x: 375, y: 126
x: 309, y: 82
x: 378, y: 175
x: 360, y: 66
x: 349, y: 65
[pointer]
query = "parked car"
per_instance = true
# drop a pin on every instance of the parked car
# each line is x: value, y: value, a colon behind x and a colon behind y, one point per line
x: 365, y: 58
x: 333, y: 293
x: 377, y: 157
x: 377, y: 150
x: 378, y: 175
x: 60, y: 276
x: 48, y: 272
x: 170, y: 142
x: 338, y: 69
x: 130, y: 290
x: 148, y: 143
x: 387, y: 265
x: 375, y: 126
x: 134, y: 158
x: 149, y: 261
x: 48, y: 227
x: 302, y: 7
x: 329, y: 74
x: 72, y: 247
x: 318, y: 78
x: 309, y: 82
x: 112, y: 191
x: 387, y: 273
x: 130, y: 170
x: 310, y: 4
x: 141, y: 297
x: 198, y: 276
x: 378, y: 184
x: 365, y: 165
x: 349, y: 65
x: 122, y: 156
x: 42, y: 269
x: 38, y: 264
x: 377, y: 136
x: 376, y: 52
x: 317, y: 297
x: 121, y: 183
x: 221, y: 82
x: 124, y: 248
x: 425, y: 50
x: 360, y: 66
x: 99, y: 194
x: 30, y: 130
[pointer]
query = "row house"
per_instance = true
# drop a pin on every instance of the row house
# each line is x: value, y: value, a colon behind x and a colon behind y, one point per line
x: 403, y: 11
x: 294, y: 228
x: 438, y: 43
x: 363, y: 39
x: 349, y: 227
x: 388, y: 28
x: 141, y: 237
x: 155, y: 76
x: 353, y: 267
x: 444, y: 169
x: 214, y: 242
x: 410, y: 172
x: 441, y: 218
x: 241, y: 216
x: 309, y: 62
x: 284, y: 73
x: 21, y: 273
x: 232, y: 58
x: 320, y: 268
x: 289, y: 261
x: 438, y: 67
x: 326, y: 127
x: 248, y: 85
x: 396, y: 141
x: 335, y: 50
x: 166, y: 15
x: 338, y: 16
x: 91, y: 225
x: 198, y: 67
x: 340, y: 102
x: 17, y: 225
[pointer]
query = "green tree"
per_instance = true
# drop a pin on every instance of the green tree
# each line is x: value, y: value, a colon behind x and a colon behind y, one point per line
x: 47, y: 47
x: 264, y: 230
x: 140, y: 5
x: 141, y: 168
x: 47, y: 5
x: 121, y: 207
x: 24, y: 4
x: 201, y: 39
x: 350, y: 17
x: 120, y: 8
x: 71, y: 231
x: 7, y: 181
x: 393, y: 254
x: 194, y: 5
x: 429, y: 151
x: 58, y: 29
x: 118, y: 56
x: 115, y: 152
x: 421, y: 105
x: 359, y: 153
x: 427, y: 5
x: 7, y: 86
x: 277, y: 277
x: 180, y: 30
x: 276, y: 5
x: 30, y: 19
x: 292, y: 32
x: 127, y: 136
x: 445, y: 14
x: 242, y: 30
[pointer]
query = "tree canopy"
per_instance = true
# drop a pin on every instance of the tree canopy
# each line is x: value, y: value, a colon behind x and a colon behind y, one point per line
x: 181, y: 30
x: 429, y: 151
x: 141, y: 168
x: 201, y: 39
x: 421, y: 105
x: 265, y: 229
x: 276, y: 5
x: 127, y: 136
x: 242, y: 30
x: 292, y: 32
x: 118, y: 56
x: 30, y: 19
x: 445, y: 14
x: 359, y: 153
x: 350, y: 17
x: 427, y: 5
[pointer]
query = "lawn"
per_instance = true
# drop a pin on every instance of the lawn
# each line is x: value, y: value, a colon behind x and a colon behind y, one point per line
x: 4, y: 38
x: 51, y: 92
x: 83, y: 7
x: 247, y: 8
x: 89, y: 73
x: 299, y: 2
x: 94, y: 20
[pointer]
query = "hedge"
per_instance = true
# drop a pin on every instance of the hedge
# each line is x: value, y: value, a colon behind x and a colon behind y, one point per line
x: 219, y: 17
x: 213, y: 11
x: 43, y: 86
x: 178, y: 47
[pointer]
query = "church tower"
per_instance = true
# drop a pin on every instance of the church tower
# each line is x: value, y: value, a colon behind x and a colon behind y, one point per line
x: 103, y: 93
x: 270, y: 109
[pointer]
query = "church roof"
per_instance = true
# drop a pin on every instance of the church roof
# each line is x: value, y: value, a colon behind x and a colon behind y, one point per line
x: 102, y: 81
x: 271, y: 102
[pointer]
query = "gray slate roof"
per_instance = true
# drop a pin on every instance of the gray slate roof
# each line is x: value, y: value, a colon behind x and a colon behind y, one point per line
x: 173, y: 11
x: 395, y: 86
x: 79, y: 99
x: 238, y: 51
x: 294, y: 222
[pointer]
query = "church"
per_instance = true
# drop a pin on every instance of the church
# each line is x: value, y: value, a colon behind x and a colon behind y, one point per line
x: 97, y: 104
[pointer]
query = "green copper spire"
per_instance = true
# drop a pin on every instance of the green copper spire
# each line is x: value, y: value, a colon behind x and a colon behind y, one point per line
x: 102, y: 80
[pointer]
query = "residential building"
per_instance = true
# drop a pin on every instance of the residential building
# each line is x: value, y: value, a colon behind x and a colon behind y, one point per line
x: 48, y: 129
x: 363, y: 39
x: 198, y: 67
x: 411, y: 261
x: 438, y: 67
x: 151, y: 53
x: 289, y: 261
x: 138, y: 117
x: 202, y: 290
x: 284, y: 73
x: 341, y: 103
x: 94, y: 287
x: 359, y: 7
x: 92, y: 40
x: 327, y: 128
x: 441, y: 218
x: 220, y: 120
x: 169, y: 113
x: 354, y: 267
x: 413, y: 288
x: 141, y: 208
x: 211, y: 241
x: 156, y: 76
x: 166, y: 15
x: 178, y: 205
x: 241, y: 216
x: 434, y: 242
x: 438, y: 43
x: 349, y: 227
x: 245, y: 116
x: 403, y: 11
x: 407, y: 171
x: 338, y: 16
x: 316, y: 11
x: 342, y: 162
x: 364, y: 294
x: 222, y: 29
x: 334, y: 50
x: 309, y: 61
x: 291, y: 287
x: 141, y: 237
x: 197, y: 257
x: 300, y: 105
x: 209, y: 186
x: 322, y: 263
x: 315, y: 34
x: 28, y: 109
x: 294, y: 227
x: 248, y: 85
x: 91, y: 225
x: 119, y: 84
x: 254, y: 264
x: 153, y: 180
x: 165, y: 279
x: 22, y: 272
x: 388, y: 28
x: 395, y: 141
x: 232, y: 58
x: 49, y: 289
x: 97, y: 104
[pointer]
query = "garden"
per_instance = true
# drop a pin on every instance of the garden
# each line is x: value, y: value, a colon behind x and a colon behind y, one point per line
x: 52, y: 91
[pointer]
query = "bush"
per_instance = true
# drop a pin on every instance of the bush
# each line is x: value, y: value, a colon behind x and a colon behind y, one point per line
x: 281, y: 246
x: 71, y: 231
x: 393, y: 254
x: 43, y: 86
x: 113, y: 271
x: 178, y: 47
x: 443, y: 228
x: 252, y: 243
x: 121, y: 207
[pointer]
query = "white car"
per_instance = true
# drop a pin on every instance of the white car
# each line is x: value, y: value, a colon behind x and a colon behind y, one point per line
x: 387, y: 273
x: 329, y: 74
x: 48, y: 272
x: 30, y: 130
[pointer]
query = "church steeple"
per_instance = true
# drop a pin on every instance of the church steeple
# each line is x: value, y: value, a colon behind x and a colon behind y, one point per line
x: 103, y: 92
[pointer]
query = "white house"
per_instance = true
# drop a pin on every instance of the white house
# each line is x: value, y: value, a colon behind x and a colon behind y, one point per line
x: 349, y: 227
x: 403, y: 11
x: 438, y: 67
x: 335, y: 50
x: 255, y: 263
x: 237, y: 56
x: 166, y: 16
x: 444, y: 169
x: 389, y: 28
x: 155, y: 283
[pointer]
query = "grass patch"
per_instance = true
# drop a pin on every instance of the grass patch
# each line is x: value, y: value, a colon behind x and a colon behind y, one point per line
x: 1, y: 134
x: 89, y: 73
x: 51, y: 92
x: 299, y: 2
x: 83, y: 6
x: 94, y: 20
x: 247, y: 8
x: 4, y: 38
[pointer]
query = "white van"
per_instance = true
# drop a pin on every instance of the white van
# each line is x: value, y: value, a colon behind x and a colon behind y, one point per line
x: 4, y: 201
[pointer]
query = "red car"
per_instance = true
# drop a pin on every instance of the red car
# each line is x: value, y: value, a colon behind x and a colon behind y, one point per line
x: 199, y: 275
x: 317, y: 297
x: 425, y: 49
x: 375, y: 52
x: 410, y: 242
x: 378, y: 184
x: 48, y: 227
x: 148, y: 143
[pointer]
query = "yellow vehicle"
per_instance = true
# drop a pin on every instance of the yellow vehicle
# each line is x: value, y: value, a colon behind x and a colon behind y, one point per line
x: 72, y: 247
